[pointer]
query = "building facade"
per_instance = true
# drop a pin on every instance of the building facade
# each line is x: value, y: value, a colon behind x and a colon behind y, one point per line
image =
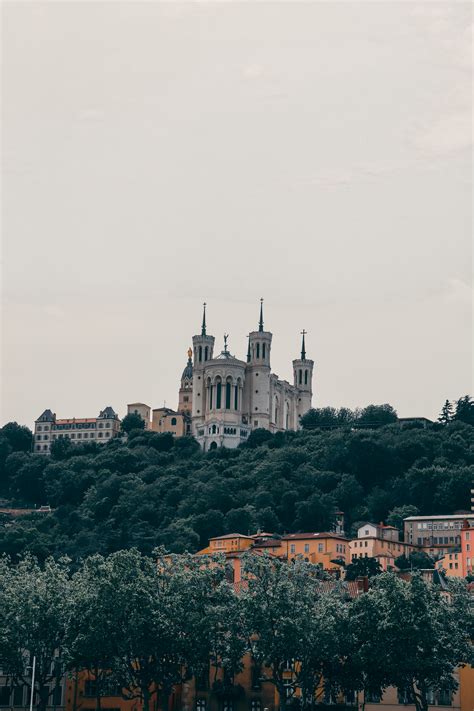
x: 380, y: 542
x: 437, y: 535
x: 231, y: 397
x: 99, y: 429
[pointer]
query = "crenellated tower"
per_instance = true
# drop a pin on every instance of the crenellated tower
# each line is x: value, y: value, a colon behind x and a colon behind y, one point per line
x: 257, y: 383
x: 203, y: 350
x: 303, y: 378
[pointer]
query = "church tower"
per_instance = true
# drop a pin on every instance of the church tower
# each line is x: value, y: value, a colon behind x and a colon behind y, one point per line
x: 303, y: 378
x: 185, y: 400
x: 203, y: 349
x: 257, y: 381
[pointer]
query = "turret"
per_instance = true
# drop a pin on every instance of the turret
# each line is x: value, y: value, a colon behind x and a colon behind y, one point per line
x: 258, y: 379
x: 185, y: 399
x: 303, y: 378
x: 203, y: 348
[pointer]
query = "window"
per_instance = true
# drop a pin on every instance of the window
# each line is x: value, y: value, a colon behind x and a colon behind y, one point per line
x: 173, y: 420
x: 258, y: 350
x: 206, y: 353
x: 300, y: 376
x: 227, y: 395
x: 255, y: 705
x: 200, y: 354
x: 320, y: 547
x: 372, y: 697
x: 263, y: 350
x: 292, y: 548
x: 57, y: 695
x: 227, y: 705
x: 5, y: 695
x: 306, y: 377
x: 39, y: 428
x: 236, y: 397
x: 445, y: 697
x: 306, y: 547
x: 90, y: 688
x: 18, y: 696
x: 218, y: 395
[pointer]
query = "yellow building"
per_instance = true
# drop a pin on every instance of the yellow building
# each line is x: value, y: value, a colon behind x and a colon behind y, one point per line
x: 318, y: 548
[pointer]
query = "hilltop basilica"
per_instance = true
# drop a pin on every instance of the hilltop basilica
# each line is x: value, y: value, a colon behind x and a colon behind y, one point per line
x: 225, y: 398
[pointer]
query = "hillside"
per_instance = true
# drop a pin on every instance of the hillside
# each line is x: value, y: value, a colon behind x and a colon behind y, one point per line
x: 156, y: 490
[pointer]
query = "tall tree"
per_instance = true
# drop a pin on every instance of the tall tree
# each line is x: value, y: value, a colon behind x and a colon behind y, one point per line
x: 295, y: 632
x: 465, y: 410
x: 446, y: 414
x: 426, y: 635
x: 34, y: 612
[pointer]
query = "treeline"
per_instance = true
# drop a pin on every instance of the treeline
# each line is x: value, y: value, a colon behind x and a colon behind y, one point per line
x: 143, y: 625
x: 151, y: 490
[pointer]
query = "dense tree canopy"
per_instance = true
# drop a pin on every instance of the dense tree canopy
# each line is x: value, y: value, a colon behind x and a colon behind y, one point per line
x: 152, y: 489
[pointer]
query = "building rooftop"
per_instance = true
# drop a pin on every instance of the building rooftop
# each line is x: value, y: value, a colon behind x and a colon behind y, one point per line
x: 433, y: 518
x: 231, y: 535
x: 72, y: 420
x: 307, y: 536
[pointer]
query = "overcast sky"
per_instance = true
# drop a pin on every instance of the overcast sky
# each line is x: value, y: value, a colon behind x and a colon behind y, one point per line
x: 156, y: 155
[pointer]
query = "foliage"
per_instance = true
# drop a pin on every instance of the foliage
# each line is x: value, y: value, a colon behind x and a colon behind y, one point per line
x: 132, y: 421
x: 152, y: 489
x: 417, y: 560
x: 465, y: 410
x: 363, y: 567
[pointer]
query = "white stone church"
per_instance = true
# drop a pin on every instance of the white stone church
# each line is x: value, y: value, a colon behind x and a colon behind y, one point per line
x: 229, y: 398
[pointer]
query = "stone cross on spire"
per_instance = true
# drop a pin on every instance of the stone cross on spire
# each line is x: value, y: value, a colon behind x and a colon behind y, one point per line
x: 303, y: 347
x: 260, y: 323
x: 203, y: 327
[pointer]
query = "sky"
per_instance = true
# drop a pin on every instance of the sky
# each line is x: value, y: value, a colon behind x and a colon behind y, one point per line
x: 156, y: 155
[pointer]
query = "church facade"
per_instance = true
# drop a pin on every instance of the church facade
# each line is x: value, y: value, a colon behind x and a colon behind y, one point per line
x: 228, y: 398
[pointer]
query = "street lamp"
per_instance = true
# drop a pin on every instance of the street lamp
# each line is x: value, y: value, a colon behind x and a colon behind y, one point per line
x: 32, y: 682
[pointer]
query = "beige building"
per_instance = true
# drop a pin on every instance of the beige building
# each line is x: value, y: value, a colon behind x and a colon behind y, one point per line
x: 380, y: 542
x: 167, y: 420
x: 78, y: 430
x: 437, y: 535
x: 394, y: 699
x: 139, y: 408
x: 231, y: 397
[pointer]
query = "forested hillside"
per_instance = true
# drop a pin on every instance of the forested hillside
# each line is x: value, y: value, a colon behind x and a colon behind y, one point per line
x: 153, y: 490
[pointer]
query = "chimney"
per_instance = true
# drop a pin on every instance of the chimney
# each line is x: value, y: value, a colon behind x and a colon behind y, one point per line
x: 362, y: 584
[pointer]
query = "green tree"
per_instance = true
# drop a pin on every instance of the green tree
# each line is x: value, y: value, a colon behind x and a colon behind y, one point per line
x: 363, y: 567
x: 19, y: 437
x: 418, y: 560
x: 132, y: 421
x: 377, y: 416
x: 34, y: 612
x: 290, y: 620
x: 399, y: 513
x: 426, y: 636
x: 446, y: 414
x: 465, y: 410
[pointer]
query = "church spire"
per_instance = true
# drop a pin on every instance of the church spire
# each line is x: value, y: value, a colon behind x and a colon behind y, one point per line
x: 203, y: 327
x: 260, y: 323
x: 303, y: 346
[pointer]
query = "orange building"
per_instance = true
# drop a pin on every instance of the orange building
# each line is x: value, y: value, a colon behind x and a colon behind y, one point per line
x: 319, y: 548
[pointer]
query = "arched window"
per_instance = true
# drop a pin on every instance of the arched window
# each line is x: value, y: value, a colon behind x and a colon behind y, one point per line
x: 275, y: 410
x: 258, y: 350
x: 200, y: 353
x: 218, y: 395
x: 300, y: 376
x: 263, y: 350
x: 213, y: 445
x: 236, y: 397
x: 287, y: 415
x: 228, y: 387
x: 213, y: 429
x: 206, y: 352
x: 173, y: 420
x: 306, y: 377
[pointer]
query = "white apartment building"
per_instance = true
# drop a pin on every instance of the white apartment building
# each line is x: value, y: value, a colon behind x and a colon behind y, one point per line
x: 99, y: 429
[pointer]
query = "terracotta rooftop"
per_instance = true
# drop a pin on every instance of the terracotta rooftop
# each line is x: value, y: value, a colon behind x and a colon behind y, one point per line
x: 308, y: 536
x: 231, y: 535
x: 73, y: 420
